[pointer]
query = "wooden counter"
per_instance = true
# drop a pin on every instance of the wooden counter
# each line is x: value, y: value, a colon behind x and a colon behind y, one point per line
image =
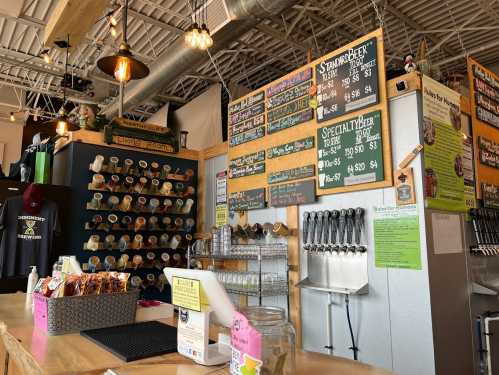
x: 73, y: 354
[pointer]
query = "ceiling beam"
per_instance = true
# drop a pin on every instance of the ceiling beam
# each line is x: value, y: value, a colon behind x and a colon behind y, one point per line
x: 417, y: 26
x: 266, y: 29
x: 171, y: 98
x: 166, y: 26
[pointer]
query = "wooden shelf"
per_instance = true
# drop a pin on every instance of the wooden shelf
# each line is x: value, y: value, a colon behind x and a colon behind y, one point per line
x: 159, y: 212
x: 170, y: 176
x: 116, y: 248
x: 134, y: 193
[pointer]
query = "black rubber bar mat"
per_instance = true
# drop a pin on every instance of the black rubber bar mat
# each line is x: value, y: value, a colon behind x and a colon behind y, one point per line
x: 135, y: 341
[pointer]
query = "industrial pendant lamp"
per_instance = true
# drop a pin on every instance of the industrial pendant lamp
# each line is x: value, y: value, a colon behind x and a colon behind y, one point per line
x: 123, y: 66
x: 61, y: 123
x: 199, y: 37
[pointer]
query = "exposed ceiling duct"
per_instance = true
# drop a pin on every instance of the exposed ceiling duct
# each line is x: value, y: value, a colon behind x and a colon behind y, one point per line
x: 240, y: 17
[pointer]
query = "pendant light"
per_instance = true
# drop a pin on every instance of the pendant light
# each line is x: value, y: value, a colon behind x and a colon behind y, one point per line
x: 123, y: 66
x: 61, y: 123
x: 199, y: 37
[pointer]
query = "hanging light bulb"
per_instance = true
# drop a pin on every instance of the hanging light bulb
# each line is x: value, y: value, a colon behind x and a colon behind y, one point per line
x: 122, y: 71
x: 196, y: 37
x: 45, y: 55
x: 112, y: 20
x: 12, y: 117
x: 62, y: 126
x: 113, y: 31
x: 188, y: 37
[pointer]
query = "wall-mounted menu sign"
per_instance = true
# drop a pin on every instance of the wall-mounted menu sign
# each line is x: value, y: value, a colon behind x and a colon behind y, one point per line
x: 291, y: 174
x: 247, y: 125
x: 490, y: 195
x: 483, y: 115
x: 290, y: 121
x: 295, y: 193
x: 486, y: 96
x: 247, y: 102
x: 348, y: 81
x: 289, y: 82
x: 247, y: 159
x: 288, y: 96
x: 246, y: 114
x: 291, y: 147
x: 247, y: 137
x: 350, y: 152
x: 247, y: 170
x: 247, y: 200
x: 489, y: 152
x: 288, y: 109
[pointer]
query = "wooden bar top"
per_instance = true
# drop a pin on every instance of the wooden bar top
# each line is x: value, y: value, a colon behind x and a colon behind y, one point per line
x: 73, y: 354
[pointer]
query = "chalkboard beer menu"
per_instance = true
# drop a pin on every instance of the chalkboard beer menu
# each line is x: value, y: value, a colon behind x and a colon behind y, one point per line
x: 350, y: 152
x: 247, y: 200
x: 291, y: 194
x: 348, y: 81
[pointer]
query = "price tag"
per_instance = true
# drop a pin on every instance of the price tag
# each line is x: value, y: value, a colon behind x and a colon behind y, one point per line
x: 186, y: 293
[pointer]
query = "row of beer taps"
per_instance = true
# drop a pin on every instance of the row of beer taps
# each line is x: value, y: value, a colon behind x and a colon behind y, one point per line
x: 334, y: 230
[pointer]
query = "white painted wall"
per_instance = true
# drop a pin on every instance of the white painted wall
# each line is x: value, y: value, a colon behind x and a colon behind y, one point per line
x: 11, y: 135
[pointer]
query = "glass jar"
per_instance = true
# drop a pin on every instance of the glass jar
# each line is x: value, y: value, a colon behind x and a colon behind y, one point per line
x: 278, y: 339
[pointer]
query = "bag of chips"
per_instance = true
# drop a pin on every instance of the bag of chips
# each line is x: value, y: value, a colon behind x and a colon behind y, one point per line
x: 91, y: 284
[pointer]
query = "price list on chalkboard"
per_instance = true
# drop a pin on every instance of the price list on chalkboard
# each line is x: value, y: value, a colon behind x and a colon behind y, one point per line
x: 348, y: 81
x: 350, y: 152
x: 291, y: 194
x: 247, y: 119
x: 247, y: 200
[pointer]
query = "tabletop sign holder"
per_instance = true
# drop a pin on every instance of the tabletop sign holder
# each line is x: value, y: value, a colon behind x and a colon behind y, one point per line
x: 196, y: 310
x: 193, y: 327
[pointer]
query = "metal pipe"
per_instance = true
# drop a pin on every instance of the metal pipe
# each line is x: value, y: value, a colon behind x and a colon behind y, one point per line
x: 329, y: 345
x: 468, y: 53
x: 178, y: 59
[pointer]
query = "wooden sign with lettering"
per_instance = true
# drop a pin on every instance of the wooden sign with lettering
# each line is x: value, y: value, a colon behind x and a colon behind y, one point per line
x: 247, y: 170
x: 246, y: 114
x: 250, y: 135
x: 287, y: 83
x: 291, y: 147
x: 290, y: 121
x: 490, y: 195
x: 292, y: 194
x: 288, y: 109
x: 247, y: 159
x: 489, y: 152
x: 247, y: 125
x: 348, y: 81
x: 247, y: 200
x: 350, y: 152
x: 291, y: 174
x: 289, y: 95
x: 246, y: 103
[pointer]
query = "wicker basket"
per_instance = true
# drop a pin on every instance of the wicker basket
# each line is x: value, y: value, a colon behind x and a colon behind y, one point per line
x: 58, y: 316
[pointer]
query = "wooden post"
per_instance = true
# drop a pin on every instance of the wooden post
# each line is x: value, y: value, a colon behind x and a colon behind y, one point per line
x: 201, y: 194
x: 293, y: 220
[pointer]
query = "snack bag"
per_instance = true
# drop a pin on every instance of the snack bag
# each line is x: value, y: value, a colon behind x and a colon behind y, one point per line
x: 106, y: 286
x: 71, y: 285
x: 123, y: 278
x: 92, y: 284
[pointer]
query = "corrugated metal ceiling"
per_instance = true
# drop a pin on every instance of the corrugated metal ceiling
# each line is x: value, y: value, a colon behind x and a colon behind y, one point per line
x: 276, y: 46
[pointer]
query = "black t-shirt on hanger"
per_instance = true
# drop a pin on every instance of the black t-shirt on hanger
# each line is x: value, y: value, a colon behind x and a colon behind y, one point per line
x: 27, y: 239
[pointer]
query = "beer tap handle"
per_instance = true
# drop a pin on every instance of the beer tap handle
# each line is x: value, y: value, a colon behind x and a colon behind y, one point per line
x: 350, y: 226
x: 359, y: 224
x: 305, y: 225
x: 325, y: 227
x: 335, y: 215
x: 342, y: 225
x: 311, y: 231
x: 318, y: 228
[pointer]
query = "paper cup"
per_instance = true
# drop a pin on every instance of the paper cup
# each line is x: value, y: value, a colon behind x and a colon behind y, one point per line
x: 96, y: 165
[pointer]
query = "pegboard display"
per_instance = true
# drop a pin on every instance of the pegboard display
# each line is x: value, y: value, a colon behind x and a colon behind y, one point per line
x: 132, y: 212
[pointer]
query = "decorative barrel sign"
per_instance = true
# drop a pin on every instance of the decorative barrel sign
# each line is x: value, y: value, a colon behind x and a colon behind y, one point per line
x: 350, y: 152
x: 247, y: 200
x: 291, y: 194
x: 348, y: 81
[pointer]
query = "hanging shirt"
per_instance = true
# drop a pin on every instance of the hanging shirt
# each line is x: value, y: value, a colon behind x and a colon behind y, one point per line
x: 27, y: 239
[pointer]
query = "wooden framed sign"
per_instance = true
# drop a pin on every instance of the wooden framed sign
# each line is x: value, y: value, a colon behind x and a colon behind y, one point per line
x: 247, y: 170
x: 291, y: 174
x: 347, y: 81
x: 489, y: 152
x: 350, y: 152
x: 291, y: 194
x: 490, y: 195
x: 247, y: 200
x: 348, y: 84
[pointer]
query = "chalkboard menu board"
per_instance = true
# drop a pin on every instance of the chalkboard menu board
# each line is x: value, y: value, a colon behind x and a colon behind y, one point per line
x: 247, y: 159
x: 247, y: 119
x: 486, y: 96
x: 348, y: 81
x: 489, y: 152
x: 350, y: 152
x: 247, y: 170
x: 247, y: 200
x: 291, y: 194
x: 490, y: 196
x: 291, y: 147
x: 291, y: 174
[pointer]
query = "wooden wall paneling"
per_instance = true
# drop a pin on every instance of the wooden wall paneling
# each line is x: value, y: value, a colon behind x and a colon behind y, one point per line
x: 483, y: 172
x: 309, y: 129
x: 413, y: 80
x: 293, y: 220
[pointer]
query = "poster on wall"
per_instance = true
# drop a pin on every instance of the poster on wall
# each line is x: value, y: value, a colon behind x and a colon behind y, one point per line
x: 221, y: 211
x: 443, y: 147
x: 396, y: 237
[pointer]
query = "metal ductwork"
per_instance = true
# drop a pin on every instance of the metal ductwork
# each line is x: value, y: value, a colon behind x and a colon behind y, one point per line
x: 242, y: 16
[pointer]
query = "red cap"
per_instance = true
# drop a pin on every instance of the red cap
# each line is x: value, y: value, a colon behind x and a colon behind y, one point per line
x: 33, y: 197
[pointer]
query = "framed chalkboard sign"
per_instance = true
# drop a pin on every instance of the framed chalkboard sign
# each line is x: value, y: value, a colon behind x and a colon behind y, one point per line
x: 291, y: 194
x: 247, y: 170
x: 347, y: 81
x: 490, y: 196
x: 350, y: 152
x: 252, y: 158
x: 247, y: 200
x: 291, y: 174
